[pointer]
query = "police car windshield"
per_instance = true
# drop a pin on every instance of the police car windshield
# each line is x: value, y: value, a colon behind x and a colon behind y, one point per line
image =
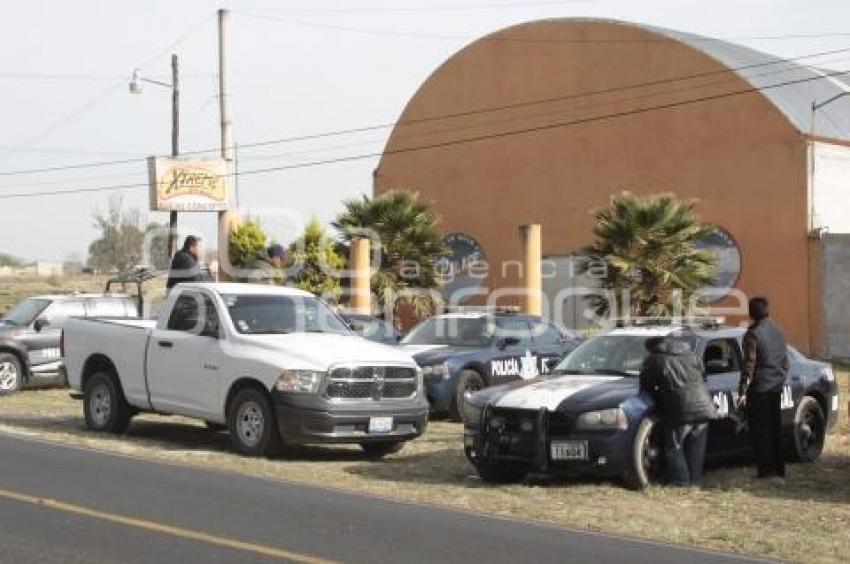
x: 277, y: 315
x: 620, y: 355
x: 25, y: 312
x: 454, y: 331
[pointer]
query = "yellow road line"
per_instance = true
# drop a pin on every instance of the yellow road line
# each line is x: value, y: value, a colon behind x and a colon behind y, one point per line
x: 162, y: 528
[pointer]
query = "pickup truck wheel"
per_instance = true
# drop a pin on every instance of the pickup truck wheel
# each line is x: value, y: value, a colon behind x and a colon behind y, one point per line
x: 252, y: 424
x: 468, y: 381
x: 809, y: 431
x: 647, y: 464
x: 11, y: 374
x: 104, y: 406
x: 380, y: 450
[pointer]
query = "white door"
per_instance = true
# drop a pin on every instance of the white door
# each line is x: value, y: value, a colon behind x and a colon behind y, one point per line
x: 185, y: 360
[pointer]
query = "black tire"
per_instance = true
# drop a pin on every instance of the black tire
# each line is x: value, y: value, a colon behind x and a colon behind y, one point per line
x: 809, y: 431
x: 504, y: 473
x: 215, y: 427
x: 382, y: 449
x: 252, y: 424
x: 647, y: 460
x: 104, y: 406
x: 11, y: 373
x: 468, y: 381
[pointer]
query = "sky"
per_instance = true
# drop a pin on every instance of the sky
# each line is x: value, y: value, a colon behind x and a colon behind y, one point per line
x: 298, y: 68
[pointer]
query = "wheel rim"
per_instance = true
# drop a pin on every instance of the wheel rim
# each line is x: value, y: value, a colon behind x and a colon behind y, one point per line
x: 810, y: 432
x: 100, y: 404
x: 9, y: 376
x: 651, y: 457
x: 250, y: 423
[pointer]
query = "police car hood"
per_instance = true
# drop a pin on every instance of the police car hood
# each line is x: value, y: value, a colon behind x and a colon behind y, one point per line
x: 425, y: 355
x: 568, y: 393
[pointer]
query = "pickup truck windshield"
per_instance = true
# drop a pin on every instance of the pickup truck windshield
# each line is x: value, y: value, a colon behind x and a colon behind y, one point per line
x: 278, y: 315
x: 452, y: 331
x: 25, y: 312
x: 619, y: 355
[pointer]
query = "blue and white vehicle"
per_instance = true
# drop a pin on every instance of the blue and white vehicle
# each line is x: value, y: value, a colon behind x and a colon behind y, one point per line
x: 587, y: 417
x: 469, y: 351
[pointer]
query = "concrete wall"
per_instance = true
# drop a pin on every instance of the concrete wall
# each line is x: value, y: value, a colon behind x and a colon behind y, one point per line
x: 836, y: 294
x: 738, y: 155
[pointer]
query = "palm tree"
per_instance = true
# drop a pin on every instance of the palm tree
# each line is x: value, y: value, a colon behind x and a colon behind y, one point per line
x: 410, y: 244
x: 646, y: 254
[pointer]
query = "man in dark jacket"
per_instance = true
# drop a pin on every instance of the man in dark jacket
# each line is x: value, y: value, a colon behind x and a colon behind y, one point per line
x: 184, y: 265
x: 266, y: 266
x: 673, y: 375
x: 760, y: 389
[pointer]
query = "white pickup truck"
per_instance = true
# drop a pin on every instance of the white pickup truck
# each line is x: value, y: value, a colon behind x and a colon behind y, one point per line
x: 276, y: 366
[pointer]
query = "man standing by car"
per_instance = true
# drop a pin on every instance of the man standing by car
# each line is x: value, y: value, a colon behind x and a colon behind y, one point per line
x: 184, y: 265
x: 266, y: 266
x: 762, y: 378
x: 673, y: 375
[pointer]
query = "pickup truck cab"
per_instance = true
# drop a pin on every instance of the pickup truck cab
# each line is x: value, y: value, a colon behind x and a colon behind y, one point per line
x: 274, y: 365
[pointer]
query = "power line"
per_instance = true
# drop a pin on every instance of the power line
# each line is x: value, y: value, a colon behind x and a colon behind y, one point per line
x: 443, y: 144
x: 442, y: 8
x: 341, y: 132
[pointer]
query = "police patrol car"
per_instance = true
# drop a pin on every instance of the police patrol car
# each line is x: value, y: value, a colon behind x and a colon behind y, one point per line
x: 471, y: 349
x: 588, y: 417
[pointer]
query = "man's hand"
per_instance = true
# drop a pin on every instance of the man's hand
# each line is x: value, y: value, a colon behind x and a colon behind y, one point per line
x: 742, y: 401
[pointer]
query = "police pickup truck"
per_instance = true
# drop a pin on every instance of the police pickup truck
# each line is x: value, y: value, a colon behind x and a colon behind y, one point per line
x: 588, y: 417
x: 274, y: 365
x: 467, y: 351
x: 29, y: 334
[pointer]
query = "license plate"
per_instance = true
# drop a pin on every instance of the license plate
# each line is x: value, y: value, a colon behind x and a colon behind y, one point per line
x: 380, y: 424
x: 569, y: 450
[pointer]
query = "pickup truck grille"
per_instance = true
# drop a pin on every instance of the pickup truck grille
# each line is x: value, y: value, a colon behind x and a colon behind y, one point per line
x: 371, y: 382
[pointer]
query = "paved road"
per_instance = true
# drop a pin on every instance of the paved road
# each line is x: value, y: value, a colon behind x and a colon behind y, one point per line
x: 64, y: 504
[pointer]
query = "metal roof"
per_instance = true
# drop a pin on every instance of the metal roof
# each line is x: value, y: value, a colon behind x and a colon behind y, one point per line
x: 794, y: 100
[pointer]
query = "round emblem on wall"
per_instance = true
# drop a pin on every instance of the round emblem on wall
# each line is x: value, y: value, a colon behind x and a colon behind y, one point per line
x: 725, y: 249
x: 463, y: 269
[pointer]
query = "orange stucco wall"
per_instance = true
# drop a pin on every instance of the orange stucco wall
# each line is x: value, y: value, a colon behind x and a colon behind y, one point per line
x: 737, y: 155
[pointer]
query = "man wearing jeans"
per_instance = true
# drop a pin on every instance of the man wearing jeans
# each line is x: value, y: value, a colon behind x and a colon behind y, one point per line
x: 673, y: 375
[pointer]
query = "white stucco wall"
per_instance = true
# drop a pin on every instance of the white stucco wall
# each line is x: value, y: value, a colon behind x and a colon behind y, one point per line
x: 830, y: 188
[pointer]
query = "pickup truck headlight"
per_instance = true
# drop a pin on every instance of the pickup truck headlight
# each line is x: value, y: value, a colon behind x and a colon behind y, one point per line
x: 300, y: 381
x: 829, y: 374
x: 436, y: 371
x: 604, y: 419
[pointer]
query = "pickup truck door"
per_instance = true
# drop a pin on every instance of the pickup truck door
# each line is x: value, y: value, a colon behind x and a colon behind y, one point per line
x: 184, y: 359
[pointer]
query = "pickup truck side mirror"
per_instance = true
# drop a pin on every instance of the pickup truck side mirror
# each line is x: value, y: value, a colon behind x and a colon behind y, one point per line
x: 40, y: 324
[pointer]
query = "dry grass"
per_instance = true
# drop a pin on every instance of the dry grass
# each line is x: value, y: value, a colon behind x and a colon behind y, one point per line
x: 806, y: 520
x: 13, y: 290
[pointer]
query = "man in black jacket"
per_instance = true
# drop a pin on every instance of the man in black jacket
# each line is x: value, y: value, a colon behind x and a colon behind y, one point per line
x: 673, y: 375
x: 760, y: 389
x: 184, y: 265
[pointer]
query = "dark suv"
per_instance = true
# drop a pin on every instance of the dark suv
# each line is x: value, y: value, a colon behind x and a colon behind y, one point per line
x: 29, y: 334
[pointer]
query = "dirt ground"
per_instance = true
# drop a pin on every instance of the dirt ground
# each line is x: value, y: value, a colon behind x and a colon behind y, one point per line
x: 805, y: 520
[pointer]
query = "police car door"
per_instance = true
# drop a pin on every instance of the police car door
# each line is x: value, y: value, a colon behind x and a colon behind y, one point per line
x: 42, y: 336
x: 722, y: 359
x: 513, y: 357
x: 548, y: 344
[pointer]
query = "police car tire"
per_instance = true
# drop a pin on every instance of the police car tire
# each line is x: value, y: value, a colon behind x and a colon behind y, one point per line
x: 103, y: 388
x: 809, y: 412
x: 269, y: 442
x: 16, y: 363
x: 467, y: 379
x: 382, y: 449
x: 504, y: 473
x: 637, y: 477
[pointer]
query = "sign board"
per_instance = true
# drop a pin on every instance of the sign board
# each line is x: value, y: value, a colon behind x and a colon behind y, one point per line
x: 725, y: 249
x: 463, y: 269
x: 188, y: 185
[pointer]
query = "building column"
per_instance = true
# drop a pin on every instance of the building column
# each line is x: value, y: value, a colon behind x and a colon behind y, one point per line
x: 532, y: 252
x: 228, y: 221
x: 361, y: 290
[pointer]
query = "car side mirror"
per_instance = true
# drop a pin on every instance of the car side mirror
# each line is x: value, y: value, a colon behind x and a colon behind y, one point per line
x: 505, y: 342
x: 40, y: 324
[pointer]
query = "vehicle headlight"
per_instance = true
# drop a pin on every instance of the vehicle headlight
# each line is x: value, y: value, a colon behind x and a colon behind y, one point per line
x: 829, y: 374
x: 436, y: 371
x: 300, y: 381
x: 604, y: 419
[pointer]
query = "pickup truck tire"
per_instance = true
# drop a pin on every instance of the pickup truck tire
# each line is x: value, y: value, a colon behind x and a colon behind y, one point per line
x: 11, y: 373
x: 380, y: 450
x: 104, y: 406
x: 468, y: 381
x: 252, y: 424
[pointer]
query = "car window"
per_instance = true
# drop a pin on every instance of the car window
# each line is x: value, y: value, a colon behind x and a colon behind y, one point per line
x: 60, y: 311
x: 109, y: 307
x: 545, y: 334
x: 277, y: 315
x: 722, y: 356
x: 26, y: 312
x: 515, y: 328
x: 456, y: 331
x: 194, y: 313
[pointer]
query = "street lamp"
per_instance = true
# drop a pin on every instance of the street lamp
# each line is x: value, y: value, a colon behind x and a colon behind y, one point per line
x: 813, y: 228
x: 135, y: 87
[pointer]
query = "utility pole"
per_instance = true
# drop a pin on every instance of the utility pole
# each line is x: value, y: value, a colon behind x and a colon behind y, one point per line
x: 225, y: 218
x: 175, y: 143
